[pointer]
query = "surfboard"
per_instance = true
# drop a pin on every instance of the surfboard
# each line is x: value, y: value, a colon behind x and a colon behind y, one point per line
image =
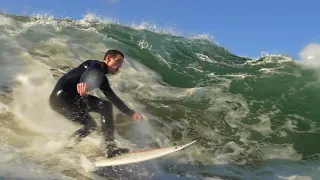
x: 128, y: 158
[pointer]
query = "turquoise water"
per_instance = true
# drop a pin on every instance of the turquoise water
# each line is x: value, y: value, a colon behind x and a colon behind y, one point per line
x: 252, y: 118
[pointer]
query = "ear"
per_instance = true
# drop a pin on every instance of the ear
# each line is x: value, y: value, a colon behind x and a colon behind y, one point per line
x: 108, y: 58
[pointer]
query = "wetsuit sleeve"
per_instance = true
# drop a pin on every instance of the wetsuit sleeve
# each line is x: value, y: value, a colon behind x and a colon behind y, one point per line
x: 106, y: 89
x: 93, y: 75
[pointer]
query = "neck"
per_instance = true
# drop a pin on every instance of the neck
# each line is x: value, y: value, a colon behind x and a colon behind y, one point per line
x: 109, y: 69
x: 105, y: 67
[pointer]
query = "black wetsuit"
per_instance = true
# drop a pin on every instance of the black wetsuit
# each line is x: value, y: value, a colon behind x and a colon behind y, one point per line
x: 66, y: 100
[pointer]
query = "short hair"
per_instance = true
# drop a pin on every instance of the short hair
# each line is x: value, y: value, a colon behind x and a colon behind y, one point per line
x: 113, y: 53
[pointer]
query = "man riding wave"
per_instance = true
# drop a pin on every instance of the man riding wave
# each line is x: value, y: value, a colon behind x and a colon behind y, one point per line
x: 69, y: 98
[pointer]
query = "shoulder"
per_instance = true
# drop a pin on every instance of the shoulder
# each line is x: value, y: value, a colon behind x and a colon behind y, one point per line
x: 92, y: 64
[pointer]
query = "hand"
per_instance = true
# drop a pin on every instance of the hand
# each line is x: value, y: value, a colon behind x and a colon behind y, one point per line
x: 82, y: 88
x: 136, y: 116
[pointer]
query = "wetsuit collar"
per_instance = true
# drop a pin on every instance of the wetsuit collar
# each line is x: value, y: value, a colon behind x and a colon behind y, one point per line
x: 104, y: 67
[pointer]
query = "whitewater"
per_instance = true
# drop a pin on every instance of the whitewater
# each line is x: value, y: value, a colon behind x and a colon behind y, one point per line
x: 253, y: 118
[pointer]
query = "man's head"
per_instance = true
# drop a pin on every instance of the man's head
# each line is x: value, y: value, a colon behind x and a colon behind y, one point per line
x: 114, y: 60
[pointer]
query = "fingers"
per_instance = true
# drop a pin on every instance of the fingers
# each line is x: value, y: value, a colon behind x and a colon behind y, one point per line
x: 137, y: 116
x: 78, y: 88
x: 82, y: 88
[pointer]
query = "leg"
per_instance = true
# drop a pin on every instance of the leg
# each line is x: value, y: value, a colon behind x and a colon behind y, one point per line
x: 104, y: 108
x: 76, y: 112
x: 107, y: 123
x: 88, y: 123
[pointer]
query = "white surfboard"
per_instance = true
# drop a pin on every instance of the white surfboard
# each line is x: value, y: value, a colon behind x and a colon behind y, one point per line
x: 129, y: 158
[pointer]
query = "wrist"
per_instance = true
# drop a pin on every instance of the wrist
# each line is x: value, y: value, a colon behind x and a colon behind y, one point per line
x: 131, y: 113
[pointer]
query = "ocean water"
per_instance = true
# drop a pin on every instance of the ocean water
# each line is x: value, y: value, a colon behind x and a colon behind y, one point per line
x: 252, y: 118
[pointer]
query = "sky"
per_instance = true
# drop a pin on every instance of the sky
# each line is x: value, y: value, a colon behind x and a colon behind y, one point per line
x: 246, y: 28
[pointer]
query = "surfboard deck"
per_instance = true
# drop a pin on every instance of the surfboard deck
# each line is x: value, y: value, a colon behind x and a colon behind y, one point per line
x: 128, y: 158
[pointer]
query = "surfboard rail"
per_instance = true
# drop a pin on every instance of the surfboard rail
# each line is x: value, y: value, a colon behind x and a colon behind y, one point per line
x: 129, y: 158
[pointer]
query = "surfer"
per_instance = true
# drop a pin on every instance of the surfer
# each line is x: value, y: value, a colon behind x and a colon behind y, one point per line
x: 69, y: 98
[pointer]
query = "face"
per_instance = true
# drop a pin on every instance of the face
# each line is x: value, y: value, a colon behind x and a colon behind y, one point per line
x: 114, y: 63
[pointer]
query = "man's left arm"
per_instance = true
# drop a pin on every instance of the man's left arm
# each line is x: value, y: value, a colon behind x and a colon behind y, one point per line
x: 106, y: 89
